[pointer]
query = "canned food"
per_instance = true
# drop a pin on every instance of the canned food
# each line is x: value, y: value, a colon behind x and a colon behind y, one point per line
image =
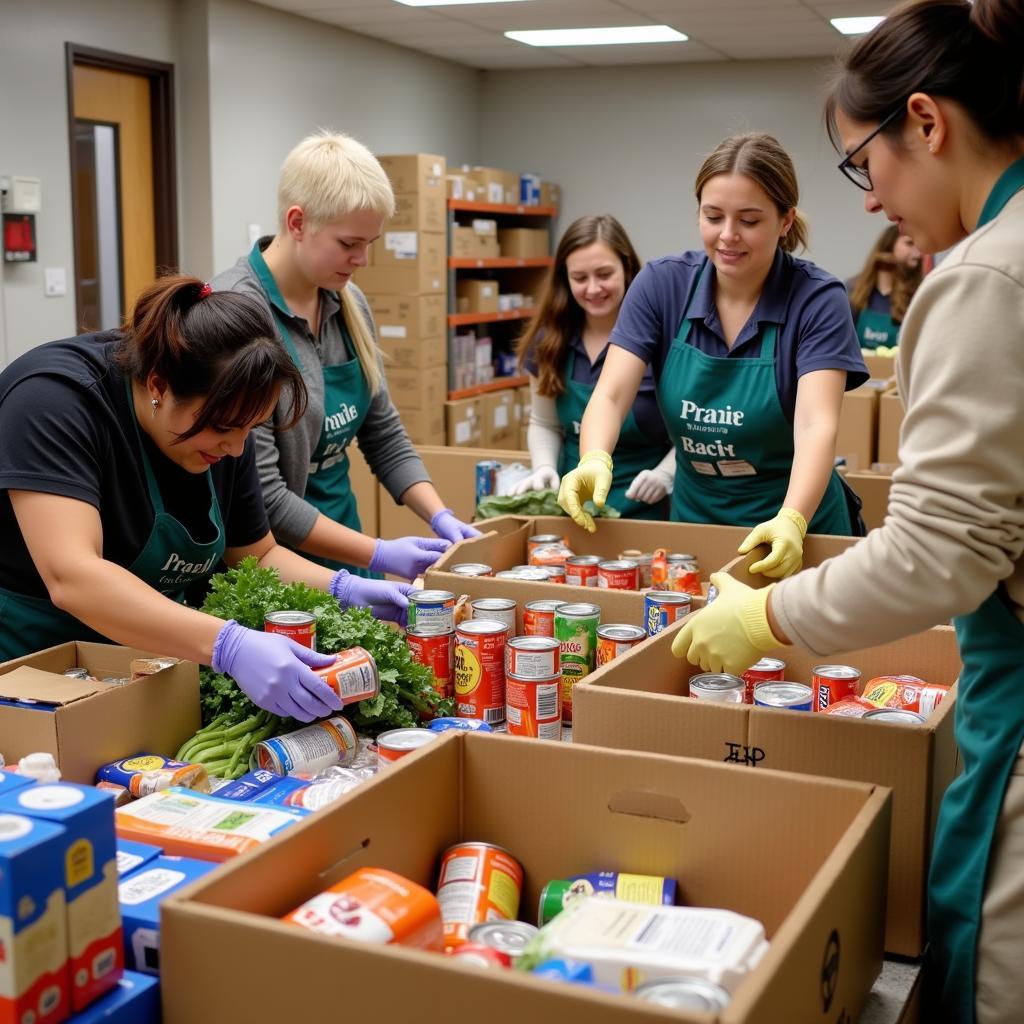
x: 581, y: 570
x: 683, y: 574
x: 477, y: 882
x: 394, y: 744
x: 541, y: 540
x: 539, y: 617
x: 895, y: 716
x: 533, y: 706
x: 486, y: 478
x: 550, y: 554
x: 833, y: 683
x: 508, y: 937
x: 480, y: 956
x: 472, y: 569
x: 554, y: 573
x: 615, y: 639
x: 560, y: 892
x: 150, y: 773
x: 299, y: 626
x: 332, y: 741
x: 767, y: 670
x: 684, y: 993
x: 377, y: 906
x: 662, y: 608
x: 905, y: 692
x: 436, y: 650
x: 644, y: 560
x: 480, y: 670
x: 786, y: 696
x: 497, y: 609
x: 720, y: 686
x: 528, y: 574
x: 532, y: 657
x: 432, y: 607
x: 850, y: 707
x: 576, y: 632
x: 461, y: 724
x: 620, y: 574
x: 353, y: 676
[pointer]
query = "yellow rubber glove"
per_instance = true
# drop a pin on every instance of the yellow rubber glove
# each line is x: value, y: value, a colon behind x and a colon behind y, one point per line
x: 786, y: 534
x: 730, y: 634
x: 591, y: 480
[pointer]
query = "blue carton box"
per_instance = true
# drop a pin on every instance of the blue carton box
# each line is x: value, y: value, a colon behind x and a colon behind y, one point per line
x: 136, y: 1000
x: 11, y: 781
x: 131, y: 856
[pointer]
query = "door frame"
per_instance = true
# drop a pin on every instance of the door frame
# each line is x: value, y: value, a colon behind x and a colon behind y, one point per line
x: 165, y: 178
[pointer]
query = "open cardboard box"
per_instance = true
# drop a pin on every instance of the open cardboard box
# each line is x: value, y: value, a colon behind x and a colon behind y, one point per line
x: 87, y: 724
x: 873, y: 490
x: 805, y: 856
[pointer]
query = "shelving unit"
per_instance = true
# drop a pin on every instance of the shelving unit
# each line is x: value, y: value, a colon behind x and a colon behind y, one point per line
x: 500, y: 384
x: 469, y: 319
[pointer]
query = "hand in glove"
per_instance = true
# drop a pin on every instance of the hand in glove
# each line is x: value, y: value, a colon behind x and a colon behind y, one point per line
x: 385, y: 600
x: 591, y: 480
x: 275, y: 672
x: 445, y: 525
x: 731, y: 634
x: 786, y: 534
x: 650, y: 486
x: 543, y: 478
x: 407, y: 557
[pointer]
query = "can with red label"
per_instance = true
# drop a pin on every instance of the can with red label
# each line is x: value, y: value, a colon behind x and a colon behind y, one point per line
x: 833, y: 683
x: 907, y: 693
x: 532, y: 657
x: 615, y: 639
x: 619, y: 574
x: 550, y: 554
x: 662, y: 608
x: 477, y: 882
x: 542, y: 540
x: 500, y: 609
x: 581, y: 570
x: 429, y: 646
x: 394, y: 744
x: 554, y: 573
x: 767, y: 670
x: 353, y: 676
x: 539, y: 618
x: 683, y: 574
x: 849, y: 707
x: 644, y: 561
x: 480, y: 670
x: 298, y: 626
x: 533, y: 707
x: 478, y: 955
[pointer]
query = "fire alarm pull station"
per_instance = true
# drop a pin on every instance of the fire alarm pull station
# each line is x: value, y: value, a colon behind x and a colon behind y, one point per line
x: 21, y: 199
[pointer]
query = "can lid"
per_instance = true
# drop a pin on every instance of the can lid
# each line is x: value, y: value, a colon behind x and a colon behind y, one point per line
x: 290, y: 618
x: 429, y: 596
x: 768, y: 665
x: 620, y: 631
x: 618, y: 564
x: 716, y: 681
x: 543, y: 606
x: 782, y: 694
x: 405, y: 739
x: 684, y: 993
x: 534, y: 643
x: 493, y: 603
x: 581, y: 610
x: 896, y: 716
x: 509, y: 937
x: 835, y: 671
x: 669, y: 596
x: 482, y: 627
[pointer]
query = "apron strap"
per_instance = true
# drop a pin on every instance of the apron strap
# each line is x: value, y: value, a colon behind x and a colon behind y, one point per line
x: 276, y: 299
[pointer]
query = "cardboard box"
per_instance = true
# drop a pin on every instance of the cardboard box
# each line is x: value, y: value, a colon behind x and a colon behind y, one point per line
x: 415, y: 353
x: 418, y: 389
x: 498, y: 414
x: 550, y: 194
x: 463, y: 422
x: 417, y: 172
x: 416, y: 264
x: 881, y: 367
x: 89, y: 724
x: 419, y: 211
x: 365, y: 489
x: 890, y: 419
x: 405, y: 317
x: 464, y: 187
x: 639, y: 702
x: 470, y: 244
x: 695, y: 822
x: 873, y: 490
x: 858, y: 424
x: 492, y: 183
x: 524, y: 243
x: 400, y: 249
x: 480, y: 296
x: 424, y: 426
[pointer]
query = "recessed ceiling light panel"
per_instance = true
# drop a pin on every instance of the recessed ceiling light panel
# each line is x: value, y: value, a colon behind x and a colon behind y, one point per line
x: 599, y: 36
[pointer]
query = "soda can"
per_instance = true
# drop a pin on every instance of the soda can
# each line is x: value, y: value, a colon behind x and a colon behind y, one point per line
x: 461, y: 724
x: 662, y: 608
x: 480, y: 670
x: 432, y: 607
x: 644, y: 560
x: 476, y: 955
x: 472, y: 569
x: 907, y: 693
x: 684, y: 993
x: 353, y: 676
x: 581, y: 570
x: 533, y: 706
x: 554, y: 573
x: 486, y: 478
x: 436, y: 650
x: 477, y: 882
x: 299, y: 626
x: 499, y: 609
x: 394, y: 744
x: 615, y: 639
x: 895, y: 716
x: 850, y: 707
x: 560, y: 892
x: 684, y: 574
x: 619, y: 574
x: 508, y: 937
x: 539, y: 617
x: 540, y: 540
x: 833, y: 683
x: 783, y: 696
x: 767, y: 670
x: 718, y: 686
x: 576, y: 632
x: 532, y: 657
x: 309, y: 750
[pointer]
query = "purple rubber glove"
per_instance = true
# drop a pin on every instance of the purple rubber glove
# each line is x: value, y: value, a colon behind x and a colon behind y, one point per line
x: 388, y: 601
x: 407, y: 557
x: 275, y: 672
x: 444, y: 524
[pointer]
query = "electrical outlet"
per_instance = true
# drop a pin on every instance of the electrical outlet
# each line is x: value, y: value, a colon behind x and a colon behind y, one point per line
x: 55, y: 281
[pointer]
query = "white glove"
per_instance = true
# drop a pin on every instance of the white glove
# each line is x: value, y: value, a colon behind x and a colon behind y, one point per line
x: 650, y: 486
x: 543, y: 478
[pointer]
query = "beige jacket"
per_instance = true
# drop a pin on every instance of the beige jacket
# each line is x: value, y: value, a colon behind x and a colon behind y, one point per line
x: 955, y: 526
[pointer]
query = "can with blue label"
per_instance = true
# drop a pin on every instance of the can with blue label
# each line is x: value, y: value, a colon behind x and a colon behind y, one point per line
x: 784, y: 696
x: 662, y: 608
x: 460, y: 724
x: 486, y: 478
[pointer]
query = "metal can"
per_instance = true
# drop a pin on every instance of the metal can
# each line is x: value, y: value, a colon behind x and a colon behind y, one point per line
x: 480, y: 956
x: 784, y: 696
x: 394, y: 744
x: 529, y: 574
x: 508, y: 937
x: 540, y: 540
x: 498, y: 609
x: 907, y: 693
x: 550, y: 554
x: 539, y: 617
x: 480, y: 670
x: 486, y: 478
x: 833, y: 683
x: 477, y: 882
x: 615, y: 639
x: 662, y: 608
x: 472, y: 569
x: 353, y: 676
x: 436, y: 650
x: 576, y: 632
x: 719, y: 686
x: 332, y: 741
x: 532, y: 657
x: 644, y: 561
x: 620, y: 574
x: 767, y: 670
x: 533, y: 706
x: 299, y: 626
x: 684, y: 993
x: 432, y: 607
x: 850, y: 707
x: 461, y: 724
x: 895, y: 716
x: 560, y: 892
x: 554, y: 573
x: 684, y: 574
x: 581, y: 570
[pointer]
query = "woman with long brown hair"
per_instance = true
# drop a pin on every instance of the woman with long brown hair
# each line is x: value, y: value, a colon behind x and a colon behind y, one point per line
x: 881, y: 292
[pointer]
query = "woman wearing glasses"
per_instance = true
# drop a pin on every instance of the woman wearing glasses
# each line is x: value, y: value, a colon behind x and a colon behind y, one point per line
x: 929, y: 108
x: 751, y: 350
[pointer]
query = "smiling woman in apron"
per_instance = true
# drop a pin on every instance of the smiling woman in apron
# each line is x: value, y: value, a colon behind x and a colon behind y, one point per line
x: 929, y: 110
x: 564, y: 349
x: 751, y: 349
x: 333, y: 201
x: 127, y: 472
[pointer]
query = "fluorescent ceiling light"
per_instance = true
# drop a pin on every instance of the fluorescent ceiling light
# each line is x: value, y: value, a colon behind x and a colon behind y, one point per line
x: 453, y: 3
x: 856, y: 26
x: 599, y: 36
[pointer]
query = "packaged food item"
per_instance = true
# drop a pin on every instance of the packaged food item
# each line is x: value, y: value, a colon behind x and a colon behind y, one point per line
x: 581, y: 570
x: 461, y: 724
x: 767, y: 670
x: 553, y: 573
x: 435, y: 649
x: 507, y: 937
x: 895, y: 716
x: 614, y: 639
x: 679, y: 572
x: 40, y: 766
x: 434, y: 607
x: 560, y: 892
x: 149, y: 773
x: 618, y: 574
x: 533, y: 706
x: 396, y: 743
x: 787, y: 696
x: 499, y: 609
x: 353, y: 676
x: 310, y: 749
x: 532, y: 657
x: 644, y: 560
x: 662, y: 608
x: 480, y: 670
x: 297, y: 626
x: 472, y: 569
x: 477, y: 882
x: 539, y: 618
x: 833, y: 683
x: 907, y: 693
x: 576, y: 632
x: 718, y: 686
x: 850, y: 707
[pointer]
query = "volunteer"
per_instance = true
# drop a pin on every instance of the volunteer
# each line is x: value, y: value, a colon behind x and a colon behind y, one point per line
x: 929, y: 109
x: 880, y: 294
x: 751, y: 349
x: 127, y: 473
x: 333, y: 199
x: 563, y: 351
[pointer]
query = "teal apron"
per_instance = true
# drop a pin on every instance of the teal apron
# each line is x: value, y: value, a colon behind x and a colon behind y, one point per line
x: 734, y: 444
x: 346, y: 403
x: 170, y: 561
x: 875, y: 328
x: 634, y: 451
x: 989, y: 718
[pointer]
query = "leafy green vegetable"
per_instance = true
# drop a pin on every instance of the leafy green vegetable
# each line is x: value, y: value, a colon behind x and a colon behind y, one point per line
x: 534, y: 503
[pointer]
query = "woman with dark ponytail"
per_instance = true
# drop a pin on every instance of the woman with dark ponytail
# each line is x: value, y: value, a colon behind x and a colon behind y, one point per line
x: 127, y: 472
x: 928, y: 110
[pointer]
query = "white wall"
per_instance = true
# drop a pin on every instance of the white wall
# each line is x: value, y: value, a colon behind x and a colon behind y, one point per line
x: 629, y: 141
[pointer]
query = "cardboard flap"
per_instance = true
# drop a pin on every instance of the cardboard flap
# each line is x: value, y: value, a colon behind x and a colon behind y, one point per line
x: 31, y: 683
x: 647, y: 803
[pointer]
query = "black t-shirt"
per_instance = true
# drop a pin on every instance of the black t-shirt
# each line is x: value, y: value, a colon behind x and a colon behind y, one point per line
x: 67, y: 427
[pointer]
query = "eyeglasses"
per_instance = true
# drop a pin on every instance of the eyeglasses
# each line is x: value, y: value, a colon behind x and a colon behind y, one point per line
x: 859, y: 175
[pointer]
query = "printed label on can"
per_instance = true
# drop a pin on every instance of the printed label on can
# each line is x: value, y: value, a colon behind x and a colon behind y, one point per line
x: 437, y: 652
x: 353, y: 676
x: 478, y: 882
x: 480, y: 675
x: 319, y: 746
x: 534, y: 706
x: 577, y: 638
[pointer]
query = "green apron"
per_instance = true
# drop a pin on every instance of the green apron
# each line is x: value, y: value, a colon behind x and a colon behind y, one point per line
x: 170, y: 561
x: 875, y: 328
x: 346, y: 402
x: 989, y: 718
x: 734, y: 444
x: 634, y: 451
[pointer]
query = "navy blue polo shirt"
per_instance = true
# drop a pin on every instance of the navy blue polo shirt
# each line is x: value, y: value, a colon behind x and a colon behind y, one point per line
x: 811, y: 307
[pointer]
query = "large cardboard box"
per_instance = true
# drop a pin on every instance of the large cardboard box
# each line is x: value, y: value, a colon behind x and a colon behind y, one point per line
x: 464, y: 428
x: 640, y: 702
x: 414, y: 353
x: 873, y: 490
x: 399, y: 249
x: 498, y: 416
x: 416, y: 172
x: 86, y: 724
x: 366, y: 491
x: 858, y: 424
x: 493, y: 184
x: 418, y: 389
x: 881, y: 367
x: 405, y: 317
x: 550, y: 194
x: 524, y: 243
x: 470, y: 244
x: 890, y: 419
x: 419, y: 211
x: 424, y: 426
x: 406, y: 263
x: 480, y: 296
x: 559, y: 808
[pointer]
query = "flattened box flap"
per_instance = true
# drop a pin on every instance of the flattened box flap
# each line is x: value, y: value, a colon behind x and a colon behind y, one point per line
x: 46, y: 687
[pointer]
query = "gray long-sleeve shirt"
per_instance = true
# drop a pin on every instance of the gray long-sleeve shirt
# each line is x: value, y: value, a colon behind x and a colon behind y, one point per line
x: 283, y: 456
